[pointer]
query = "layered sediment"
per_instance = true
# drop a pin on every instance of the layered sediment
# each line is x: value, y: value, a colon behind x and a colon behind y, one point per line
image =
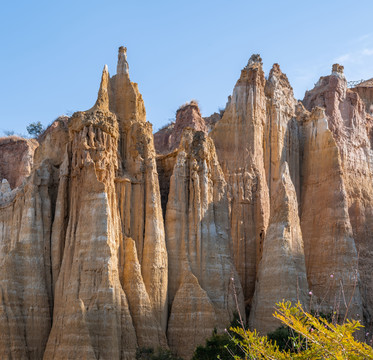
x: 238, y: 138
x: 112, y: 239
x: 198, y: 244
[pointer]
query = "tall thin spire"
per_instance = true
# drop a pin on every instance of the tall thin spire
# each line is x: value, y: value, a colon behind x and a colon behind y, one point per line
x: 122, y: 67
x: 103, y: 94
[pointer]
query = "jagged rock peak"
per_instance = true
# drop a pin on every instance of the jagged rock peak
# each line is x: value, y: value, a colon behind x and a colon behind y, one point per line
x: 255, y: 61
x: 253, y: 72
x: 192, y: 104
x: 122, y: 66
x: 337, y: 70
x: 188, y: 115
x: 278, y: 74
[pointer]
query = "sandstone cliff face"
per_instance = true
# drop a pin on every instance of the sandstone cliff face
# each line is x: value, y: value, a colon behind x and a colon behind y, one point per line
x: 211, y: 120
x: 330, y: 250
x: 281, y: 138
x: 282, y: 270
x: 238, y: 138
x: 284, y: 134
x: 88, y: 288
x: 26, y: 215
x: 277, y: 198
x: 53, y: 142
x: 198, y: 244
x: 138, y: 187
x: 165, y: 167
x: 346, y: 119
x: 26, y: 301
x: 93, y: 265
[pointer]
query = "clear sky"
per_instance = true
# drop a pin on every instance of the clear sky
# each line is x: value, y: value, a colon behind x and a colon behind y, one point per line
x: 53, y: 52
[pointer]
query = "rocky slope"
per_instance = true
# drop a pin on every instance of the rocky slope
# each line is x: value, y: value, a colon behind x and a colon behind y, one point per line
x: 107, y: 246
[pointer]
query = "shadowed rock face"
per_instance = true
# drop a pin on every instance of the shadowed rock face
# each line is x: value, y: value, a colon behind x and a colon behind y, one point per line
x: 106, y: 247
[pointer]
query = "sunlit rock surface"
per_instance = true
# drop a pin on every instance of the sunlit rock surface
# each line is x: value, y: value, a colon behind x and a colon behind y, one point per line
x: 107, y: 246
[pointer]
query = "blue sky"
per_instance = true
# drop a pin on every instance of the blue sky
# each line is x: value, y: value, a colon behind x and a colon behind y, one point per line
x: 53, y: 52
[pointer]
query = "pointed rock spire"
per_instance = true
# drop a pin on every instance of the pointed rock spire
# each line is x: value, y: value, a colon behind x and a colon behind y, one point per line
x: 103, y: 94
x: 122, y: 66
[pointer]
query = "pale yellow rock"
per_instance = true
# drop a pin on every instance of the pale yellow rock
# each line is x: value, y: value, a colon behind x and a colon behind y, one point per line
x: 138, y: 186
x: 330, y: 251
x: 94, y: 262
x: 198, y: 237
x: 281, y: 139
x: 26, y: 302
x: 148, y: 330
x: 346, y: 117
x: 91, y: 317
x: 60, y: 219
x: 192, y: 318
x: 282, y: 270
x: 238, y: 139
x: 84, y: 268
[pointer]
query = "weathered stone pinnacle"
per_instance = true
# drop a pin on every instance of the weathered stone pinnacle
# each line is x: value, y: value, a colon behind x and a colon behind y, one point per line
x: 254, y: 61
x: 122, y: 67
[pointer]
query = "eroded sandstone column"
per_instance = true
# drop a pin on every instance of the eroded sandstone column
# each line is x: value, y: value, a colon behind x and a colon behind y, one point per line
x: 330, y: 251
x: 349, y: 125
x: 238, y: 138
x: 25, y: 282
x: 198, y: 244
x: 138, y: 186
x: 281, y: 140
x: 282, y: 270
x: 91, y: 316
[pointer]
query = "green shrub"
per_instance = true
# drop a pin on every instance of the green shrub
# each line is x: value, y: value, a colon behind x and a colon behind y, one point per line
x: 216, y: 345
x: 219, y: 346
x: 282, y: 336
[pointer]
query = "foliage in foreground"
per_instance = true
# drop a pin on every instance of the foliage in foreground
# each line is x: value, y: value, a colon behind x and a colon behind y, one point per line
x: 283, y: 337
x: 316, y: 338
x: 219, y: 346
